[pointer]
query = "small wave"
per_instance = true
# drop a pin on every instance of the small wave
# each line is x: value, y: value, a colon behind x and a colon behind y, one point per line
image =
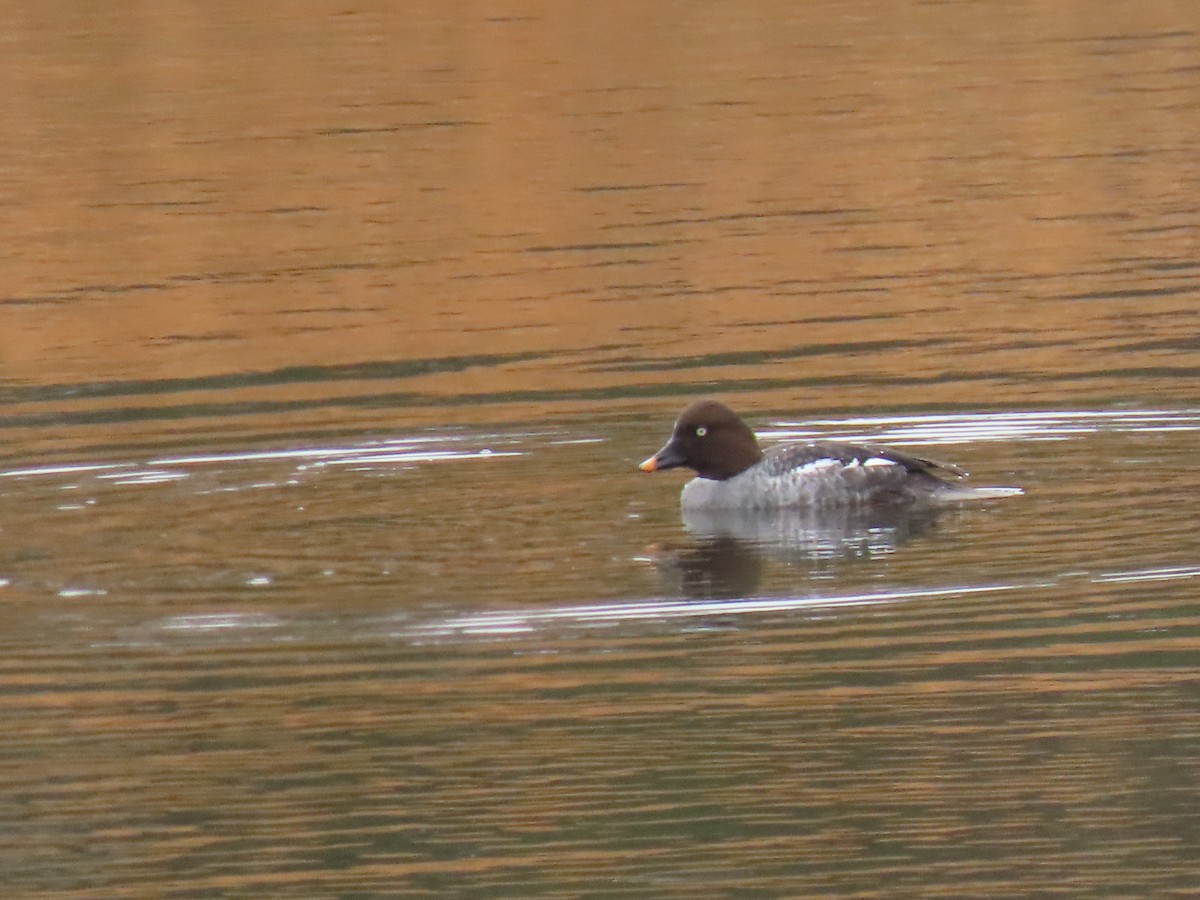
x: 522, y: 621
x: 434, y: 448
x: 516, y: 621
x: 1056, y: 425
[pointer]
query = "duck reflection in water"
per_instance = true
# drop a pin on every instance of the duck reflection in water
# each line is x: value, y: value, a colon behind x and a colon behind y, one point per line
x: 731, y: 548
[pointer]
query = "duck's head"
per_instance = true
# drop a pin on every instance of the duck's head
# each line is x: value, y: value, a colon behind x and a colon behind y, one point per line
x: 710, y: 438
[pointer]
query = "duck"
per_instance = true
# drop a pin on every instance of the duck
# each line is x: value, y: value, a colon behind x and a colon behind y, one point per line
x: 734, y: 473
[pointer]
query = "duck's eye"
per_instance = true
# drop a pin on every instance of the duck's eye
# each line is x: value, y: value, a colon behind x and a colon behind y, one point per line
x: 701, y: 431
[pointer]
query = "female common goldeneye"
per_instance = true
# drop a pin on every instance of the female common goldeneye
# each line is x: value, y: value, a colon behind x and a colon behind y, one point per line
x: 735, y: 474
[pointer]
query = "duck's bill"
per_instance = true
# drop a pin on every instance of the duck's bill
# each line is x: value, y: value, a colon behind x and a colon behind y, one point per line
x: 666, y: 458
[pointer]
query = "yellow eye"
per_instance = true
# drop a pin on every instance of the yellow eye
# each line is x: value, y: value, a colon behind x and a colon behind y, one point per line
x: 701, y: 431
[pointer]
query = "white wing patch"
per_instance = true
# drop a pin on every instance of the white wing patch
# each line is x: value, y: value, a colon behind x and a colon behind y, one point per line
x: 817, y: 465
x: 820, y: 465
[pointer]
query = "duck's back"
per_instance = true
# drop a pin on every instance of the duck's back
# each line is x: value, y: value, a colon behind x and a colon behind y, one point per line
x: 825, y: 473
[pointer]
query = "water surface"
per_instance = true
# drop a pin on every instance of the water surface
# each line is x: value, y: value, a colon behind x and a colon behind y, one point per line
x: 331, y: 339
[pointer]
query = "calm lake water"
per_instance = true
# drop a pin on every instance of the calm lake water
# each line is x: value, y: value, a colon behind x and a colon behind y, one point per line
x: 331, y: 337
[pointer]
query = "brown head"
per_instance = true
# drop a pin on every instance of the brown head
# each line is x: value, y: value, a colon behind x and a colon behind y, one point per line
x: 710, y: 438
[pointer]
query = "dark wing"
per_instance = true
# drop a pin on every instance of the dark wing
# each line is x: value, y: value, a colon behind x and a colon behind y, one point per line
x: 794, y: 456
